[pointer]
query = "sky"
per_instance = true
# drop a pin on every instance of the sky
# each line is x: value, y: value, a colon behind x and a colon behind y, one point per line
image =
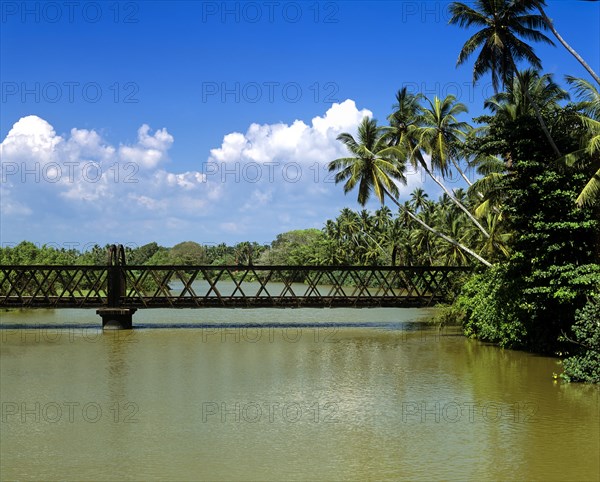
x: 139, y: 121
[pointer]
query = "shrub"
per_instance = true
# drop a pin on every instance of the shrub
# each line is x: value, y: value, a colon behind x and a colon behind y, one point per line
x: 489, y: 304
x: 584, y: 364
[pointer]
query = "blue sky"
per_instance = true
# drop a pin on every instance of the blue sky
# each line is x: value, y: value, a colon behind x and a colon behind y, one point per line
x: 112, y: 110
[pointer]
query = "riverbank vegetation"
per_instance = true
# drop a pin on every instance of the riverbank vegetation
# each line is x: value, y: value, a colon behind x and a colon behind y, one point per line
x: 534, y: 212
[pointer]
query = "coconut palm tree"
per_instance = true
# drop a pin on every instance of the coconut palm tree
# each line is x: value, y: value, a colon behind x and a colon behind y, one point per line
x: 488, y: 187
x: 402, y: 121
x: 496, y: 246
x: 450, y: 254
x: 372, y: 166
x: 383, y: 216
x: 414, y: 130
x: 439, y: 135
x: 514, y: 101
x: 504, y: 23
x: 423, y: 240
x: 590, y: 106
x: 418, y: 199
x: 373, y: 169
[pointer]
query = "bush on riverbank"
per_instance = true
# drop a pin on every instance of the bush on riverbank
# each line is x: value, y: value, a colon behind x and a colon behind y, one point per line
x: 584, y: 364
x: 490, y: 308
x: 493, y: 306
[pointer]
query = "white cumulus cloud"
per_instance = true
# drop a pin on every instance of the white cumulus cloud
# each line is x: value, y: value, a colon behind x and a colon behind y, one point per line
x: 296, y: 142
x: 256, y: 184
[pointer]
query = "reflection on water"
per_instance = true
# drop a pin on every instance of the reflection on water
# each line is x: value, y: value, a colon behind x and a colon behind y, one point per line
x: 364, y: 394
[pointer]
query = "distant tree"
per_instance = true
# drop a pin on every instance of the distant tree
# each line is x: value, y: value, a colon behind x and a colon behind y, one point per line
x: 160, y: 257
x: 299, y: 247
x: 188, y: 253
x: 96, y: 256
x: 142, y: 254
x: 28, y: 253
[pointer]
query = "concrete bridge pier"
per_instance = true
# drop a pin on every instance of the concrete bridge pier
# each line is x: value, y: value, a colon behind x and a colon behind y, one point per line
x: 116, y: 318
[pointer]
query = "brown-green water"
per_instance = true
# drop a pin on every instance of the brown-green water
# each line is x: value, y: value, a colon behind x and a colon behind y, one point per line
x: 347, y: 395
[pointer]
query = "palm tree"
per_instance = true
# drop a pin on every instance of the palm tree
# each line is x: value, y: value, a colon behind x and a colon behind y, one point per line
x: 514, y: 101
x: 367, y: 225
x: 402, y: 121
x: 347, y: 228
x: 440, y: 135
x: 504, y: 23
x: 372, y: 166
x: 422, y: 239
x: 383, y: 217
x: 488, y: 187
x: 496, y: 246
x: 373, y: 169
x: 590, y: 105
x: 243, y: 253
x: 334, y: 253
x: 450, y: 254
x: 418, y: 198
x: 411, y: 125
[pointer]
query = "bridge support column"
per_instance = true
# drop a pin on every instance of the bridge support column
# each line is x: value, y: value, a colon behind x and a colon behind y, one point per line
x: 116, y: 318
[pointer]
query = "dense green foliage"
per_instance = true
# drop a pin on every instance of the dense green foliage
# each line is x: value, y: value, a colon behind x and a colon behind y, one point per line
x: 584, y: 363
x: 490, y: 310
x: 299, y: 247
x: 187, y: 253
x: 535, y: 300
x: 533, y: 297
x: 28, y: 253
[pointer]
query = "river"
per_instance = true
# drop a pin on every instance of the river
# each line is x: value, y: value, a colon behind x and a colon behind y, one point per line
x: 263, y: 394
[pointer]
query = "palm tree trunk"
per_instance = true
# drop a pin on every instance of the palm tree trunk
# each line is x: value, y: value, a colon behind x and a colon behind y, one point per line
x: 437, y: 233
x: 457, y: 202
x: 462, y: 173
x: 479, y: 193
x: 372, y: 239
x: 572, y: 51
x: 375, y: 241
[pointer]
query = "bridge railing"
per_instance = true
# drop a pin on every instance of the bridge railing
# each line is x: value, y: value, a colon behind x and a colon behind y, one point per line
x: 223, y: 286
x: 53, y: 286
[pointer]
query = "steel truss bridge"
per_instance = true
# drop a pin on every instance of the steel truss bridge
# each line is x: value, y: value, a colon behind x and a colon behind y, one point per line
x: 117, y: 290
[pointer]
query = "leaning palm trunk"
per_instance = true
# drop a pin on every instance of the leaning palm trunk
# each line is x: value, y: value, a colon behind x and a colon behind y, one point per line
x: 572, y: 51
x: 456, y: 201
x: 478, y: 193
x: 461, y: 172
x: 423, y: 164
x: 372, y: 239
x: 437, y: 233
x: 375, y: 242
